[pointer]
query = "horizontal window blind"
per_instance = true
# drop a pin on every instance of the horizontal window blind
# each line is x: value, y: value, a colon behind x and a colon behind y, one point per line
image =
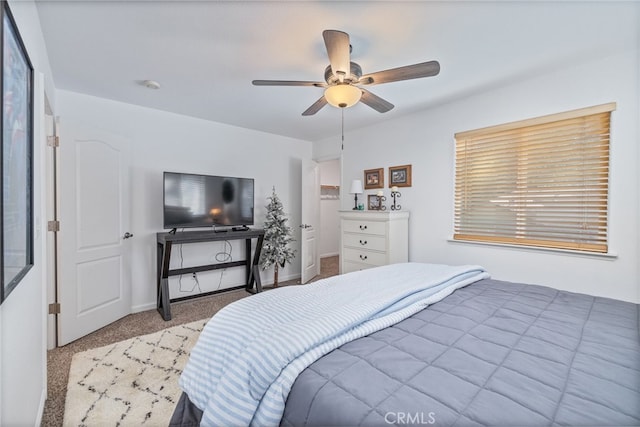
x: 538, y: 182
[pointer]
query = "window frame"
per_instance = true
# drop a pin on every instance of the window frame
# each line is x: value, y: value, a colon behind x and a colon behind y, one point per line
x: 464, y: 217
x: 21, y: 105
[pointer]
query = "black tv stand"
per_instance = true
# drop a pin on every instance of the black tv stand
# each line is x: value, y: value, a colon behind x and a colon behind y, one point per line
x: 166, y: 240
x: 243, y: 228
x: 173, y: 231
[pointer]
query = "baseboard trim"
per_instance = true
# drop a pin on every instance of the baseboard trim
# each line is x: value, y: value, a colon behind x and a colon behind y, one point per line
x: 329, y: 255
x: 143, y: 307
x: 43, y: 399
x: 280, y: 279
x: 152, y: 305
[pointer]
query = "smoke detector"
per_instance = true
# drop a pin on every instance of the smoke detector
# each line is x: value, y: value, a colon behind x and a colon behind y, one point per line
x: 151, y: 84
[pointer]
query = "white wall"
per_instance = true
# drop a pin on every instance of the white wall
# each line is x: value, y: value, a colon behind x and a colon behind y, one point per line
x: 170, y: 142
x: 329, y: 217
x: 23, y: 313
x: 425, y: 140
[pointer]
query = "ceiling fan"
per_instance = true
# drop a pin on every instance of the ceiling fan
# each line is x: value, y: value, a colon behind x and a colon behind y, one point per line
x: 344, y: 80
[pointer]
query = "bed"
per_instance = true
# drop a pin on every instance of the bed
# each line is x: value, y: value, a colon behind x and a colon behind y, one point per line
x: 480, y: 352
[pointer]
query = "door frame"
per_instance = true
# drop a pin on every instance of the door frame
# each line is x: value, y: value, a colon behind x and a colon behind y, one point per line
x: 51, y: 241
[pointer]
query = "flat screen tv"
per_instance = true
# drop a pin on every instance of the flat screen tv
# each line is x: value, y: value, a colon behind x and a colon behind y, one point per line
x: 192, y: 200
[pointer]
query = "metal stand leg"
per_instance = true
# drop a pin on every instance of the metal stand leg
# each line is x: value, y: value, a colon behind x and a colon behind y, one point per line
x: 256, y: 276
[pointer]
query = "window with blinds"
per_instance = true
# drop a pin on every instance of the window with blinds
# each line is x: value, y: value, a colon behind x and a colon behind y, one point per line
x: 540, y: 182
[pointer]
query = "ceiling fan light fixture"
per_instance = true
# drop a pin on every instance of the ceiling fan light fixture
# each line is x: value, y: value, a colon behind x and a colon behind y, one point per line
x: 342, y: 95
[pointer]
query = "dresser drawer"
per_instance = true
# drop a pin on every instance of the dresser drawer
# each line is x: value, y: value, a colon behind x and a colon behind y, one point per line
x: 364, y: 241
x: 348, y: 267
x: 367, y: 227
x: 365, y: 256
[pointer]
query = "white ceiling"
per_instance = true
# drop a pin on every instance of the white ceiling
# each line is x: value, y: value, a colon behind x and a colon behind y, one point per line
x: 206, y: 53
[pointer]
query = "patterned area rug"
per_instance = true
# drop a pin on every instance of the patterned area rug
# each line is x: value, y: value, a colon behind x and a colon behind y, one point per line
x: 132, y: 382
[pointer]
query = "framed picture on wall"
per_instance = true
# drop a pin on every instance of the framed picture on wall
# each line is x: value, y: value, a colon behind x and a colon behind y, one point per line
x: 400, y: 176
x: 16, y: 211
x: 374, y: 178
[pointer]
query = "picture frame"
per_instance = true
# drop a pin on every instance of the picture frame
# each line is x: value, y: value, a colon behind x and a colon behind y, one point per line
x: 400, y: 176
x: 374, y: 178
x: 16, y: 177
x: 373, y: 202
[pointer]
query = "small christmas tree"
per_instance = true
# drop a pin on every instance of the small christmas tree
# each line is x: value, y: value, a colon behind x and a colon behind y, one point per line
x: 277, y: 236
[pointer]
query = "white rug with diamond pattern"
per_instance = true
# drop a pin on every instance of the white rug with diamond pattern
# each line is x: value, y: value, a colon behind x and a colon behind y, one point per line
x: 132, y: 382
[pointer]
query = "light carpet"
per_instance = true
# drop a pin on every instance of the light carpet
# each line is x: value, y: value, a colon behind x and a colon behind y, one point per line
x: 132, y: 382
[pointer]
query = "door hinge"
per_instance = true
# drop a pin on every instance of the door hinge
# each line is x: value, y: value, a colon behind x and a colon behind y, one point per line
x: 53, y: 141
x: 53, y: 226
x: 54, y: 308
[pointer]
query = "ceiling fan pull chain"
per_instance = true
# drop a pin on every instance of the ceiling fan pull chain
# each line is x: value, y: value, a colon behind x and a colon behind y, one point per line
x: 342, y: 111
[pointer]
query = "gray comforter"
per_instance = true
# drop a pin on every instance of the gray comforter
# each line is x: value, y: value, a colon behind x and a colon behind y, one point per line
x: 492, y: 353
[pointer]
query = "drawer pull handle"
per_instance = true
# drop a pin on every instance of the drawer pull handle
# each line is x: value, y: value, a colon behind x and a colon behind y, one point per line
x: 363, y: 243
x: 363, y: 257
x: 363, y: 227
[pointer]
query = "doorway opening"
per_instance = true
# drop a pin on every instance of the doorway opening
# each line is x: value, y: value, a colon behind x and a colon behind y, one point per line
x: 329, y: 241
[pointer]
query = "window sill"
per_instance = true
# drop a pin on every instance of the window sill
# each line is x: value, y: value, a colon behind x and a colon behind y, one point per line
x: 608, y: 255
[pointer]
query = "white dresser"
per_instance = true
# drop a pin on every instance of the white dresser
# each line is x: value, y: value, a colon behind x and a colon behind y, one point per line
x: 371, y: 238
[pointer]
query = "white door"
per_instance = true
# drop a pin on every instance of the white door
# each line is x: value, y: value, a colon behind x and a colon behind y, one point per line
x: 310, y: 258
x: 93, y: 241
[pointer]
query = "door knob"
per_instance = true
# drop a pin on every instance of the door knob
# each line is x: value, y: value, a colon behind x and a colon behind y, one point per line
x: 127, y: 235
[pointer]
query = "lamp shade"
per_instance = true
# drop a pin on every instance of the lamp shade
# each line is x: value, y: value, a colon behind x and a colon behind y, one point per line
x: 356, y: 187
x: 342, y: 95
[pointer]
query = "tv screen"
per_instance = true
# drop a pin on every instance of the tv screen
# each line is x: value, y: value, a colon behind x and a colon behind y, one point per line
x: 204, y: 201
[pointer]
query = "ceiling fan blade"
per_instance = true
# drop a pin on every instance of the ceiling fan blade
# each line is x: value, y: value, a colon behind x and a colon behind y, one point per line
x: 287, y: 83
x: 375, y: 102
x: 338, y: 49
x: 315, y: 107
x: 415, y: 71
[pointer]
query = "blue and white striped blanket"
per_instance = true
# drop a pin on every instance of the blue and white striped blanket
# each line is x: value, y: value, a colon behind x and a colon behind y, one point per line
x: 249, y: 354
